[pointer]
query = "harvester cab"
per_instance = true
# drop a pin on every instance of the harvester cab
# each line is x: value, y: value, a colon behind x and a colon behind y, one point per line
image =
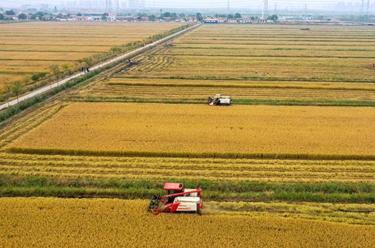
x: 177, y: 199
x: 219, y: 100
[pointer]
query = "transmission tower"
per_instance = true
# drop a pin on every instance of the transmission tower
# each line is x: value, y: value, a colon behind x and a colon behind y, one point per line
x: 362, y: 7
x: 107, y: 4
x: 265, y: 8
x: 368, y: 7
x: 112, y: 4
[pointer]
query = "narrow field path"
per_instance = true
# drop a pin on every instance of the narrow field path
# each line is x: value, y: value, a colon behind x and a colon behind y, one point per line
x: 49, y: 87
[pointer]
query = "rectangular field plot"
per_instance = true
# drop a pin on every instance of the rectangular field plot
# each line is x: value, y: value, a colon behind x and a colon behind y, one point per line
x: 45, y: 222
x: 184, y: 90
x: 48, y: 43
x: 197, y: 130
x: 325, y: 53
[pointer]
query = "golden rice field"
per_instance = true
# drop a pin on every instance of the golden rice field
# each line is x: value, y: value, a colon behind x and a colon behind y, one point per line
x: 272, y: 176
x: 201, y: 129
x: 255, y: 64
x: 279, y: 52
x: 32, y: 47
x: 42, y: 222
x: 196, y: 91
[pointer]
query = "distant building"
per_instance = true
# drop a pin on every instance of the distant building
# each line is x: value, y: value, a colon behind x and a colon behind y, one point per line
x: 211, y: 20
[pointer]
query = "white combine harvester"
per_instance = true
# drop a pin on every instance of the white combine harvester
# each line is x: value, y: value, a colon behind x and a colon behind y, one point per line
x: 219, y: 100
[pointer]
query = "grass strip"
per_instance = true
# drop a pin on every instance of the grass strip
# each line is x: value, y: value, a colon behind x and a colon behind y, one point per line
x: 334, y: 192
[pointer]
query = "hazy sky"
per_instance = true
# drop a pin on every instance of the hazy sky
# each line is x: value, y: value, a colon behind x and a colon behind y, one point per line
x: 205, y: 3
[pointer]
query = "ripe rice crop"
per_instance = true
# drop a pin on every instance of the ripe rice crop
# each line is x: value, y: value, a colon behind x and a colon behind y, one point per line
x: 41, y: 222
x: 128, y: 89
x: 26, y: 47
x: 200, y: 130
x: 273, y: 65
x: 278, y: 52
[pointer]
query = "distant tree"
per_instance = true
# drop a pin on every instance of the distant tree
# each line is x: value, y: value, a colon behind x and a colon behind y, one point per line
x: 88, y: 61
x: 26, y: 80
x: 152, y: 18
x: 237, y: 15
x: 17, y: 89
x: 199, y: 16
x: 55, y: 70
x: 182, y: 15
x: 79, y: 14
x: 104, y: 16
x: 167, y: 14
x: 22, y: 16
x: 42, y: 74
x: 252, y: 18
x: 116, y: 49
x: 173, y: 15
x: 35, y: 77
x: 66, y: 68
x: 230, y: 16
x: 1, y: 17
x: 8, y: 87
x: 273, y: 18
x: 37, y: 16
x: 10, y: 12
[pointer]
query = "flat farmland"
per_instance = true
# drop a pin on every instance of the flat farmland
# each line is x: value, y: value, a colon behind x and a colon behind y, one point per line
x: 200, y: 129
x: 324, y: 53
x: 197, y: 90
x: 327, y: 65
x: 41, y: 222
x: 33, y: 47
x: 289, y: 172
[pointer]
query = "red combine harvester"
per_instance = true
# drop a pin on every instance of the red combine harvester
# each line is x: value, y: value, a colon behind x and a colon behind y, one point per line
x: 176, y: 200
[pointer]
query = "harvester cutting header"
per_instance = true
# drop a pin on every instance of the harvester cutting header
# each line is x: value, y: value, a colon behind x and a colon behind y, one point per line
x: 177, y: 199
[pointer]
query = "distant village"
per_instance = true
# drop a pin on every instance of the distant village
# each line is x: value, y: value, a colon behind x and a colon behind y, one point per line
x: 18, y: 15
x: 22, y: 15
